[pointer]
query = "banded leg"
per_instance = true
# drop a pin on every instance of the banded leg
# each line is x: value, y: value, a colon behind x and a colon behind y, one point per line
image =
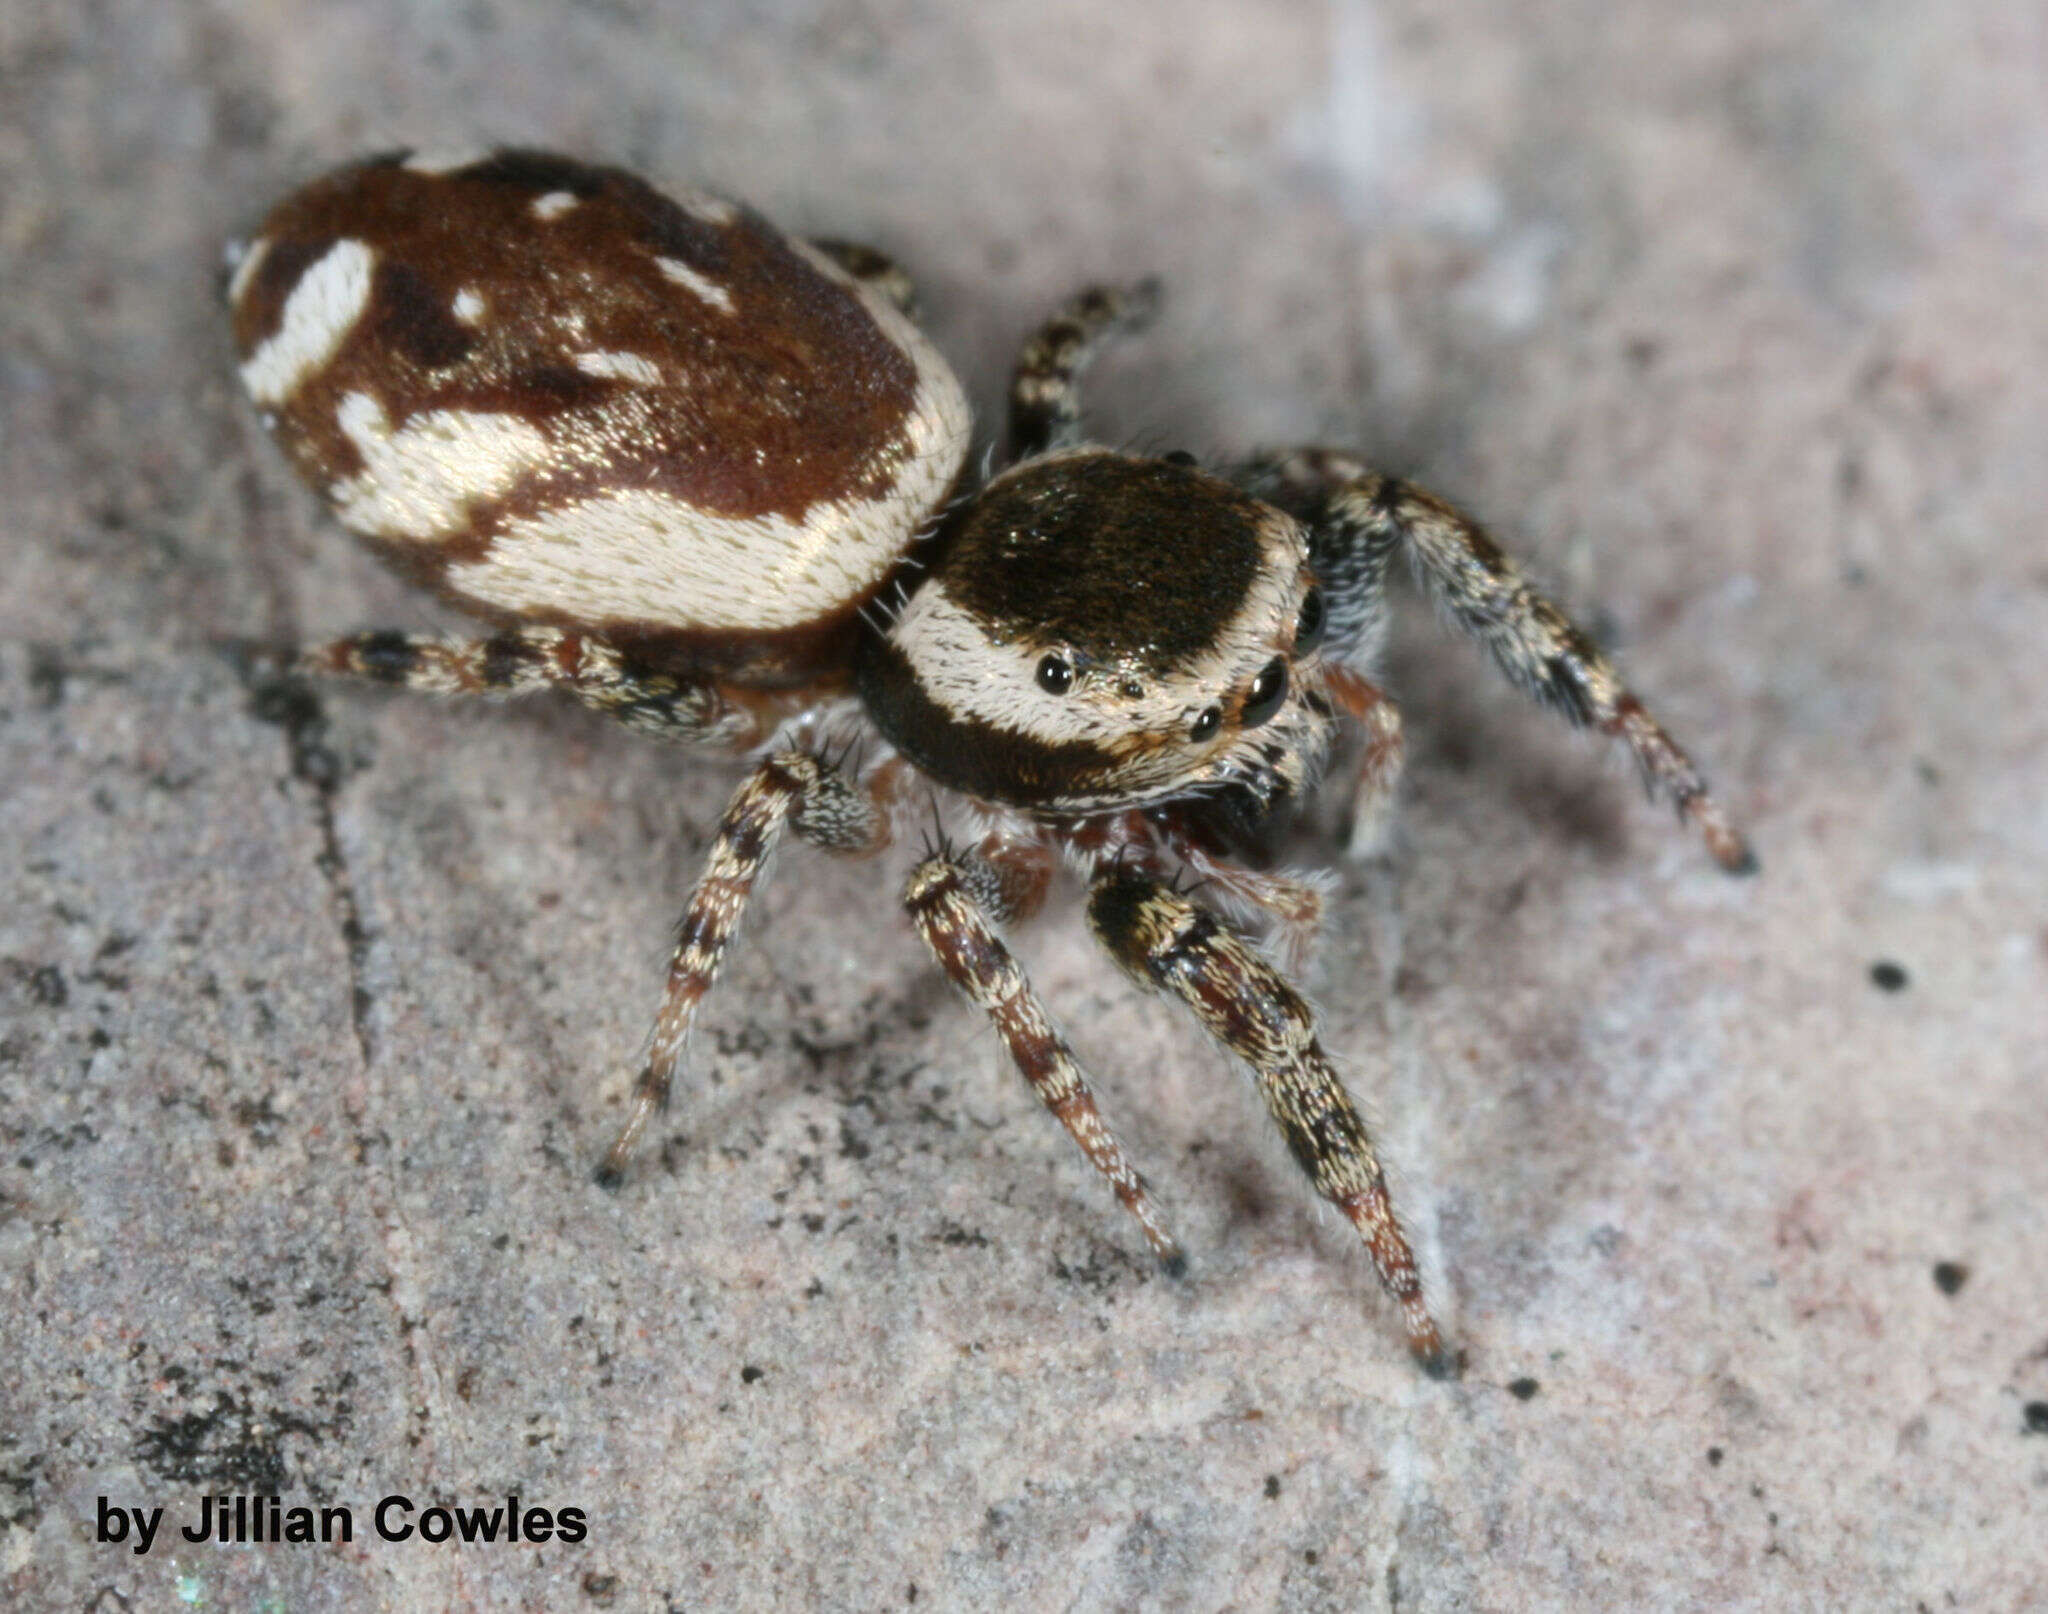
x: 525, y: 661
x: 1045, y: 395
x: 1542, y: 652
x: 872, y: 268
x: 1165, y: 943
x: 789, y: 789
x: 955, y: 902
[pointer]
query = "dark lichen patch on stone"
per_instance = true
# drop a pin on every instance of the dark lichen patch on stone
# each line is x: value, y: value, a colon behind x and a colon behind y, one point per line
x: 230, y: 1447
x: 290, y: 703
x: 47, y: 675
x: 50, y: 1140
x: 19, y: 1508
x: 1105, y: 1267
x: 260, y: 1118
x: 44, y: 984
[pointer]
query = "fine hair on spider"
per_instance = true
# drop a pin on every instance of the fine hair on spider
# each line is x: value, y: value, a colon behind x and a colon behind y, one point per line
x: 712, y: 481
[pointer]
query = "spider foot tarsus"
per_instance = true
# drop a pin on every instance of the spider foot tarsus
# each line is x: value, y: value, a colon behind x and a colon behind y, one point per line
x: 1439, y: 1361
x: 955, y: 902
x: 650, y: 1098
x: 1167, y: 944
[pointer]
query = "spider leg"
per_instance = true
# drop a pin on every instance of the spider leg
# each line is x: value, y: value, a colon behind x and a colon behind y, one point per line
x: 1174, y: 841
x: 789, y: 789
x: 1023, y: 866
x: 1045, y: 395
x: 1379, y: 767
x: 1166, y: 943
x: 1360, y: 517
x: 872, y: 268
x: 525, y: 661
x: 1293, y: 906
x: 955, y: 902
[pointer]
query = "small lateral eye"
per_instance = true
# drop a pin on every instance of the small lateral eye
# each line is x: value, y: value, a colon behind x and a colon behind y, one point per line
x: 1268, y: 690
x: 1308, y: 628
x: 1055, y: 675
x: 1210, y: 720
x: 1179, y: 456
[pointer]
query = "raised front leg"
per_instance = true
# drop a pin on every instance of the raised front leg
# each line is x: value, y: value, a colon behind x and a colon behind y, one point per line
x: 1360, y: 517
x: 526, y: 661
x: 1045, y: 389
x: 1165, y: 943
x: 788, y: 789
x: 955, y: 901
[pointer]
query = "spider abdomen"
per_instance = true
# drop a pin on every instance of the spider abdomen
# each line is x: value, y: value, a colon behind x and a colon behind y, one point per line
x: 556, y: 395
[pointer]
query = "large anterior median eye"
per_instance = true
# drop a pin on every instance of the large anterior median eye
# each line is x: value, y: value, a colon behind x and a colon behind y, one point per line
x: 1268, y: 690
x: 1055, y: 675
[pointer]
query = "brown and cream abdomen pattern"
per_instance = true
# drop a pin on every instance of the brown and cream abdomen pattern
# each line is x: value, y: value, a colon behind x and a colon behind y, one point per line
x: 557, y: 395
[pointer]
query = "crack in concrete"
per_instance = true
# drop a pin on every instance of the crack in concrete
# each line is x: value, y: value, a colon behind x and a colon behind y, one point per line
x: 290, y: 703
x: 286, y: 700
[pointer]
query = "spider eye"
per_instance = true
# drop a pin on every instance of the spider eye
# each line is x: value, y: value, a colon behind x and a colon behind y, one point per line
x: 1055, y: 676
x: 1308, y: 627
x: 1207, y: 724
x: 1268, y: 690
x: 1179, y: 456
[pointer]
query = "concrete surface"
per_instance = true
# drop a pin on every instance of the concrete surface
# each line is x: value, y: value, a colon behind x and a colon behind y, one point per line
x: 313, y: 1021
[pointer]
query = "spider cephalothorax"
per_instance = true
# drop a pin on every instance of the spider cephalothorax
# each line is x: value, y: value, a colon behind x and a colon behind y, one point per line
x: 711, y: 481
x: 1098, y: 630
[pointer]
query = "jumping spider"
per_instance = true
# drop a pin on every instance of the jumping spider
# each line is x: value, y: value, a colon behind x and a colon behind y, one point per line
x: 712, y: 481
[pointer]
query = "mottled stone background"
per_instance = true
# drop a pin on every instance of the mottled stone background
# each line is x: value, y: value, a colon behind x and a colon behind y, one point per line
x: 313, y: 1020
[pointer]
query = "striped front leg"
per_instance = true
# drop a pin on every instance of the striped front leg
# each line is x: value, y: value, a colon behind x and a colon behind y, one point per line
x: 1164, y: 942
x: 951, y: 899
x: 1358, y: 519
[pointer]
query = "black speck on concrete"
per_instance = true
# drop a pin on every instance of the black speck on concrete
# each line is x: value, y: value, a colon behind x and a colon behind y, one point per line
x: 1888, y: 977
x: 1949, y: 1276
x: 1523, y: 1389
x: 2036, y: 1414
x: 1272, y: 1486
x: 1714, y: 1456
x: 752, y: 1375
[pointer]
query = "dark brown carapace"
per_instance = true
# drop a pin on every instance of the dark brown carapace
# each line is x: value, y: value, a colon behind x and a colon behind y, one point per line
x: 711, y: 480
